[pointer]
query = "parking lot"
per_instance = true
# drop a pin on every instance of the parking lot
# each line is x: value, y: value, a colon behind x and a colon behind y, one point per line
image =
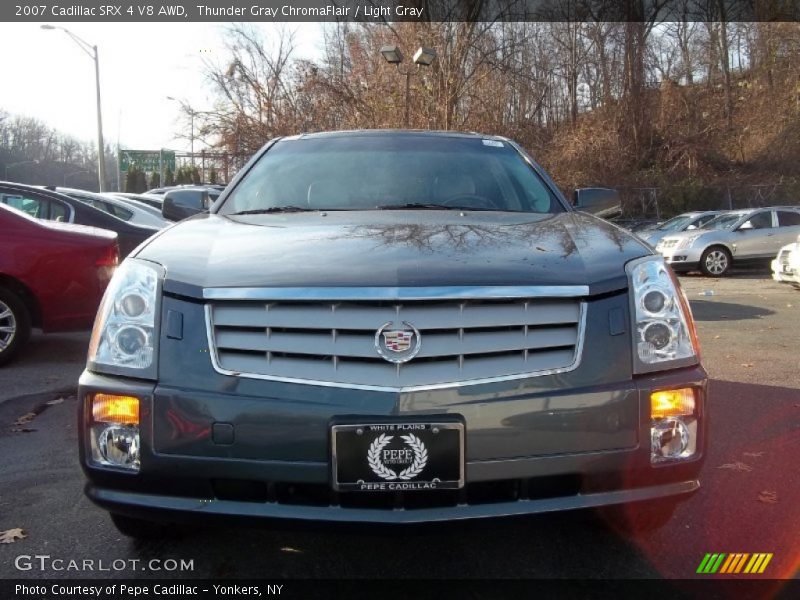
x: 749, y: 327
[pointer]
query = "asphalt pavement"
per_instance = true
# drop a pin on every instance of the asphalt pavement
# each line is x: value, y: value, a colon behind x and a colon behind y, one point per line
x: 749, y: 501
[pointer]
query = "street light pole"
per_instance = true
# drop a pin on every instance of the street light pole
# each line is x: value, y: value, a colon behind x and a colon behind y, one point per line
x: 422, y: 57
x: 408, y: 96
x: 91, y: 51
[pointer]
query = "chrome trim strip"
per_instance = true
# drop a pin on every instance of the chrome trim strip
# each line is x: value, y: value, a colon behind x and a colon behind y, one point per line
x: 416, y: 388
x: 396, y: 293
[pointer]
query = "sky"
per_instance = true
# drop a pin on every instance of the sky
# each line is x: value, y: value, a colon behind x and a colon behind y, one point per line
x: 47, y: 76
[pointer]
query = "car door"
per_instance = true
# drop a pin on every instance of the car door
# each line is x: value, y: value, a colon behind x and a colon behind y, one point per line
x: 788, y: 228
x: 755, y: 237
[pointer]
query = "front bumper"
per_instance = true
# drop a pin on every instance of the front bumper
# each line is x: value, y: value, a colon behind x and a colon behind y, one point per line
x: 281, y: 469
x: 783, y: 274
x: 681, y: 258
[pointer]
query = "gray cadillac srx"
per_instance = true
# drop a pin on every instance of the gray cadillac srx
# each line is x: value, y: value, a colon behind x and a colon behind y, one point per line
x: 391, y: 327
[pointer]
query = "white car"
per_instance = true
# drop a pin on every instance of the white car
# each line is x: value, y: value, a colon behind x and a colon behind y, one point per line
x: 786, y: 266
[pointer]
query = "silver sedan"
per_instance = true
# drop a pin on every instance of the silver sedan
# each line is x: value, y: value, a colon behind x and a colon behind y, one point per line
x: 737, y: 237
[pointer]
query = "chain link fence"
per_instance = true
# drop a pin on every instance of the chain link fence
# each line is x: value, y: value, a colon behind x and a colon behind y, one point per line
x: 651, y: 204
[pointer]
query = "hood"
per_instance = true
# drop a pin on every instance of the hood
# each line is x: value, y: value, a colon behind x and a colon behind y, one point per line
x: 692, y: 233
x: 411, y: 248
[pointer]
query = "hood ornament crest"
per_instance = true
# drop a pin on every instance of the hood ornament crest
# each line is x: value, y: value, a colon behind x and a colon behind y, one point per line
x: 398, y: 344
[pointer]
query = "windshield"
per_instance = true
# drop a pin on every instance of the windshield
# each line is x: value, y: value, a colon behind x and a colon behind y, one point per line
x: 364, y: 172
x: 723, y: 221
x: 678, y: 223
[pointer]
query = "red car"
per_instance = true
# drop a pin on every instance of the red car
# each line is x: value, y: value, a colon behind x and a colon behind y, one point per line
x: 52, y: 276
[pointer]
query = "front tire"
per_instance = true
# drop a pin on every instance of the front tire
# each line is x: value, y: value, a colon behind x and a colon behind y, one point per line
x: 716, y: 261
x: 15, y: 324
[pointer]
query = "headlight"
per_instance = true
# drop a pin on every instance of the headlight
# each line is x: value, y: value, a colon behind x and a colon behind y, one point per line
x: 124, y: 337
x: 663, y: 328
x: 688, y: 241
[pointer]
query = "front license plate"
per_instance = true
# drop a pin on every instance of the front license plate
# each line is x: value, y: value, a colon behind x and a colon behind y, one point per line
x: 387, y: 457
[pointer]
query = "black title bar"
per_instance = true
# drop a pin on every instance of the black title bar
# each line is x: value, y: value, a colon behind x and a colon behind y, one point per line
x: 648, y: 11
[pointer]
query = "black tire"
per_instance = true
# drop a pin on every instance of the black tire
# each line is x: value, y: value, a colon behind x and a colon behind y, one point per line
x: 716, y: 261
x: 15, y: 324
x: 139, y: 529
x: 640, y: 517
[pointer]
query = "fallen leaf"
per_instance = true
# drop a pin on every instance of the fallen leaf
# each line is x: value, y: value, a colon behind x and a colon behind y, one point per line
x: 12, y: 535
x: 753, y: 454
x: 26, y: 418
x: 54, y: 402
x: 747, y: 364
x: 716, y: 337
x: 768, y: 497
x: 736, y: 466
x: 788, y: 306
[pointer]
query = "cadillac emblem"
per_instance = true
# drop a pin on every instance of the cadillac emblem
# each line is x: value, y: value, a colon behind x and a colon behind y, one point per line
x: 398, y: 345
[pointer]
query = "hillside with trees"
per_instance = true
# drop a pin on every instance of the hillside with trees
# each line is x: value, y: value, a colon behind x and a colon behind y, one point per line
x: 688, y: 113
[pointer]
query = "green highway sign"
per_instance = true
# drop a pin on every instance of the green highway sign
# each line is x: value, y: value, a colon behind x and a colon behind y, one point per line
x: 147, y: 160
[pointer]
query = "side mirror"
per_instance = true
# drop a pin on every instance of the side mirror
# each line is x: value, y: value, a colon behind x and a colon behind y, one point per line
x: 181, y: 204
x: 746, y: 225
x: 601, y: 202
x: 690, y: 227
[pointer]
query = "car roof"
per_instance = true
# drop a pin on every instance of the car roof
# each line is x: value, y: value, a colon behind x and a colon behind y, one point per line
x: 393, y: 133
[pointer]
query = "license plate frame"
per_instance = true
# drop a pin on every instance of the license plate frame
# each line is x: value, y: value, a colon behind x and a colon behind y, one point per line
x: 431, y: 459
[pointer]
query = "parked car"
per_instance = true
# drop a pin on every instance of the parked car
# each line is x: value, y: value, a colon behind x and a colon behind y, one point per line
x: 49, y: 205
x: 373, y: 321
x: 786, y: 266
x: 153, y: 200
x: 52, y: 276
x: 122, y: 208
x: 186, y: 202
x: 684, y: 222
x: 138, y: 204
x: 602, y: 202
x: 736, y: 237
x: 163, y: 190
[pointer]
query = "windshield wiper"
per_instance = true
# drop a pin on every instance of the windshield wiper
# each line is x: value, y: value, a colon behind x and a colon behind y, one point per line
x: 274, y: 209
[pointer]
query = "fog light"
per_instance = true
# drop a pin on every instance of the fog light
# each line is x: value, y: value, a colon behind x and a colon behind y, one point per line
x: 673, y: 438
x: 118, y: 446
x: 672, y: 403
x: 114, y: 433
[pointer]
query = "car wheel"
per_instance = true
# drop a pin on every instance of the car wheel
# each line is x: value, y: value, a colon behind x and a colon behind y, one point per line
x: 15, y: 324
x: 640, y: 517
x: 715, y: 262
x: 139, y: 529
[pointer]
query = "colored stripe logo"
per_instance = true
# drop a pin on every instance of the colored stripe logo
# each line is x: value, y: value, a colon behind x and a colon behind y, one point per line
x: 734, y: 563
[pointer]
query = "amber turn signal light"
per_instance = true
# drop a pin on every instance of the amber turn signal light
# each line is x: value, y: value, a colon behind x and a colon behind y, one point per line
x: 672, y: 403
x: 110, y: 408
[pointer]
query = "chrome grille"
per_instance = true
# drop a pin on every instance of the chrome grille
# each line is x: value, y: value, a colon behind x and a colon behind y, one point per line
x: 333, y: 342
x: 665, y: 244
